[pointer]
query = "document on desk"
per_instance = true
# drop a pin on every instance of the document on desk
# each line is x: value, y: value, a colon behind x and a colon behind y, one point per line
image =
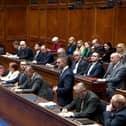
x: 50, y: 104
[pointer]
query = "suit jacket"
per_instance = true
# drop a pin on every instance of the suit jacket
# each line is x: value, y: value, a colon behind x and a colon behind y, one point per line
x: 22, y: 78
x: 32, y: 85
x: 65, y: 87
x: 81, y: 67
x: 90, y: 109
x: 116, y: 78
x: 70, y: 49
x: 37, y: 57
x: 46, y: 91
x: 115, y: 118
x: 25, y: 54
x: 97, y: 70
x: 106, y: 56
x: 46, y: 58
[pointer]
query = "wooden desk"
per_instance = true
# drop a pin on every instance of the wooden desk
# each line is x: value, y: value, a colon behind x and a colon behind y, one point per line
x: 120, y: 91
x: 51, y: 75
x: 26, y: 113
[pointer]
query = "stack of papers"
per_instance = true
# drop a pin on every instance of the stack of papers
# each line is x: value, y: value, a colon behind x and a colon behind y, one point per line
x: 50, y: 105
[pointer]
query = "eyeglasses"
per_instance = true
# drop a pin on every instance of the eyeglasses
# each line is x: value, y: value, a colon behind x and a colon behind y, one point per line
x: 58, y: 62
x: 118, y: 47
x: 94, y: 56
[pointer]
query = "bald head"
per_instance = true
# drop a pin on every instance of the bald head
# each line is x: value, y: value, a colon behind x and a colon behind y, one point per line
x: 115, y: 57
x: 118, y: 101
x: 55, y: 39
x: 61, y: 52
x: 77, y: 55
x: 43, y: 49
x: 121, y: 48
x: 79, y: 87
x: 23, y: 44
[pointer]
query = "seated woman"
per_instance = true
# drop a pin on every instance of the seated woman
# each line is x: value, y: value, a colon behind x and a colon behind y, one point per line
x: 108, y: 50
x: 12, y: 75
x: 87, y: 50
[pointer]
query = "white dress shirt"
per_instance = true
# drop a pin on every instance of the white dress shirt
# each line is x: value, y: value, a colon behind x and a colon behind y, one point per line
x: 10, y: 76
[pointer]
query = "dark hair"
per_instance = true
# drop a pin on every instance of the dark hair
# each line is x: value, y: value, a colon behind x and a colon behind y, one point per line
x: 14, y: 65
x: 108, y: 43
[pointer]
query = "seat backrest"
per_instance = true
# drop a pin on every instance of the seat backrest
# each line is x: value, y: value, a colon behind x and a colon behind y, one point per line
x: 46, y: 91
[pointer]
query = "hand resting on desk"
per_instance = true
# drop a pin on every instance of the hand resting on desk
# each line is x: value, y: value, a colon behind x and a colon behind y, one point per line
x: 18, y: 90
x: 66, y: 114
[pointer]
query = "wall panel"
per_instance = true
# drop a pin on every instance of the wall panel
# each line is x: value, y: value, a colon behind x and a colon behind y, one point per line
x: 75, y: 23
x: 52, y: 22
x: 105, y: 24
x: 15, y: 23
x: 120, y: 35
x: 33, y: 22
x: 1, y: 24
x: 88, y: 29
x: 21, y: 20
x: 43, y: 24
x: 63, y: 23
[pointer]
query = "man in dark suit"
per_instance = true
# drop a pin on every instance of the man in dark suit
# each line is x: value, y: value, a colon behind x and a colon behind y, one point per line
x: 78, y: 64
x: 45, y: 56
x: 37, y: 53
x: 115, y: 74
x: 95, y: 68
x: 87, y: 104
x: 33, y: 83
x: 64, y: 89
x: 115, y: 114
x: 22, y: 75
x: 24, y: 52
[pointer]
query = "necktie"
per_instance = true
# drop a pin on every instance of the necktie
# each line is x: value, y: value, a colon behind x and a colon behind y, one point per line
x: 23, y: 53
x: 82, y: 104
x: 90, y: 69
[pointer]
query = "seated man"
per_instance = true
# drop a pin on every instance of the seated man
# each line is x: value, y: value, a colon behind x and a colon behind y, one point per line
x: 115, y: 114
x: 46, y: 56
x: 86, y: 104
x: 78, y: 64
x: 37, y: 53
x: 95, y: 67
x: 115, y: 74
x: 3, y: 72
x: 24, y: 52
x: 33, y: 83
x: 22, y: 76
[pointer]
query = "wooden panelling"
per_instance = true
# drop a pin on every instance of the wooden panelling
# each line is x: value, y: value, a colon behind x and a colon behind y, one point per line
x: 75, y: 23
x: 88, y: 28
x: 43, y: 24
x: 120, y: 35
x: 1, y: 24
x: 52, y: 22
x: 105, y: 24
x: 21, y: 20
x: 15, y: 19
x: 63, y: 23
x: 15, y: 2
x: 33, y: 22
